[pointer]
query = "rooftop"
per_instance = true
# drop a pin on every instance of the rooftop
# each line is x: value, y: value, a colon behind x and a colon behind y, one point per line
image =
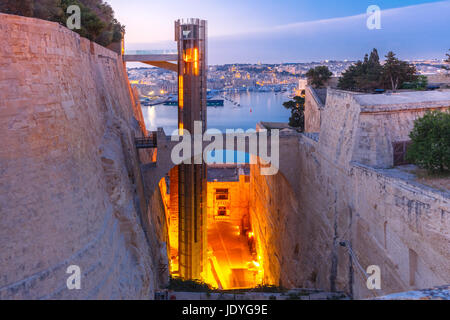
x: 275, y: 125
x: 401, y: 98
x: 321, y: 94
x: 227, y: 172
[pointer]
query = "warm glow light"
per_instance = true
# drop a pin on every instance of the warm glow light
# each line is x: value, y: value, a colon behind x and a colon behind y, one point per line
x: 233, y: 256
x: 181, y: 128
x: 180, y: 92
x: 192, y: 55
x: 196, y: 61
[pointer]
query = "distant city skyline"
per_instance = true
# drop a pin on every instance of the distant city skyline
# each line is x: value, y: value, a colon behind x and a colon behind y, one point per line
x: 293, y: 31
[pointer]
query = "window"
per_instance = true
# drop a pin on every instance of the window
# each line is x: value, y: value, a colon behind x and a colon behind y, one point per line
x: 221, y: 194
x: 222, y: 211
x: 399, y: 152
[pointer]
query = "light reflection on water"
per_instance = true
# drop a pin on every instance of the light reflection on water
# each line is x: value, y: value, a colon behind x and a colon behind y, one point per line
x: 254, y: 107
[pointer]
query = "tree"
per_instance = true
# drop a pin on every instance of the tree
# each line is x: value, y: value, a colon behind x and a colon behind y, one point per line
x: 396, y: 72
x: 318, y: 76
x: 430, y: 147
x: 297, y: 120
x: 364, y: 75
x: 369, y: 74
x: 97, y: 21
x: 97, y: 17
x: 18, y: 7
x: 348, y: 79
x: 297, y: 107
x: 421, y: 83
x: 448, y: 61
x: 48, y: 10
x: 372, y: 71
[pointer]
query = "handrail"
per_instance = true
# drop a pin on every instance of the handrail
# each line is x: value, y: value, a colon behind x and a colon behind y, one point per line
x: 150, y: 141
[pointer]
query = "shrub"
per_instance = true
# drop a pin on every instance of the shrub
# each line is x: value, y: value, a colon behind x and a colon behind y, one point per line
x: 178, y: 284
x: 268, y: 288
x: 430, y: 147
x: 420, y: 84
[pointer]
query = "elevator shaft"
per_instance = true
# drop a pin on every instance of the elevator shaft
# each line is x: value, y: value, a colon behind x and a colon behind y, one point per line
x: 192, y: 67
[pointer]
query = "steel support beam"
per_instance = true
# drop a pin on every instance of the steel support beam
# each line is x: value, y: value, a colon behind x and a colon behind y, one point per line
x: 149, y: 57
x: 163, y: 65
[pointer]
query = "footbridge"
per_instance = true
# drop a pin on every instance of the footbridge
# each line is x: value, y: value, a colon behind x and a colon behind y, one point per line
x: 273, y: 150
x: 165, y: 59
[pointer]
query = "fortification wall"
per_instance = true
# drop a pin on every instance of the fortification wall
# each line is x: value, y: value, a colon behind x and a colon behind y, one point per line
x: 70, y: 189
x: 313, y: 108
x: 388, y: 220
x: 384, y: 215
x: 401, y: 226
x: 439, y: 78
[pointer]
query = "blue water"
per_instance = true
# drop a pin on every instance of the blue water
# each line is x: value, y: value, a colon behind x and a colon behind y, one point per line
x: 254, y: 107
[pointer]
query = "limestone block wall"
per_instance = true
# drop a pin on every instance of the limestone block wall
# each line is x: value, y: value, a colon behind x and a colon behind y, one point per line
x: 439, y: 78
x: 274, y: 214
x: 340, y: 120
x: 362, y: 128
x: 389, y: 221
x: 302, y: 215
x: 238, y: 199
x: 384, y: 120
x: 313, y: 108
x: 70, y: 187
x: 297, y: 228
x: 401, y: 226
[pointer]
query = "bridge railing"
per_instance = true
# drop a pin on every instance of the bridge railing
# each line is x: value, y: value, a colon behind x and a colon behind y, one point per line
x: 146, y: 52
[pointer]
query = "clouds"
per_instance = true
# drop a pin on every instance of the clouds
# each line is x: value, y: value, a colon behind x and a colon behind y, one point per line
x: 412, y: 32
x: 419, y: 31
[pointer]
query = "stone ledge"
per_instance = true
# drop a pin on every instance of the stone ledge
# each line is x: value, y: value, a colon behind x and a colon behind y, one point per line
x: 402, y: 177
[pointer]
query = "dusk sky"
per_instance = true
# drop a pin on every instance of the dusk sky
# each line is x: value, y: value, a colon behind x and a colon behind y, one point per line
x: 292, y: 30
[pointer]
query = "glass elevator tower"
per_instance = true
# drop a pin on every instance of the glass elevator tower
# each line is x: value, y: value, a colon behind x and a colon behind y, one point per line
x: 191, y: 36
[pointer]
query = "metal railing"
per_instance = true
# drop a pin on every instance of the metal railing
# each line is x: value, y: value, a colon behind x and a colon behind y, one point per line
x: 147, y: 142
x: 146, y: 52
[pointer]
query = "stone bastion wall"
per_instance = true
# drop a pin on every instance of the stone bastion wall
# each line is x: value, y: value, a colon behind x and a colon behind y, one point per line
x: 70, y: 185
x: 347, y: 192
